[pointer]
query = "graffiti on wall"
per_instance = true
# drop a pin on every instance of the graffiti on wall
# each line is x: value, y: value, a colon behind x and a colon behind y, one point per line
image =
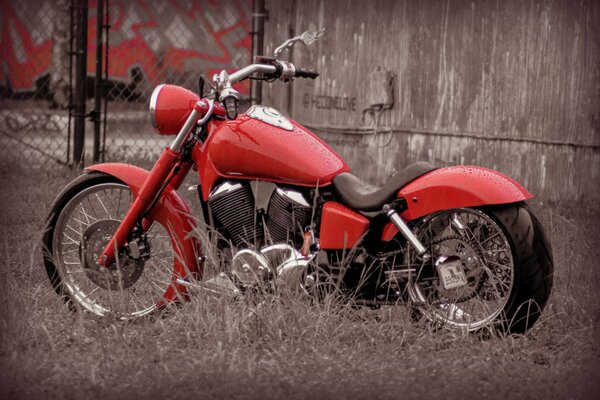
x: 25, y: 45
x: 161, y: 39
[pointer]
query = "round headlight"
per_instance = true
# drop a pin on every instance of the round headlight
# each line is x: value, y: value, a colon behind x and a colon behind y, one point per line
x: 170, y: 106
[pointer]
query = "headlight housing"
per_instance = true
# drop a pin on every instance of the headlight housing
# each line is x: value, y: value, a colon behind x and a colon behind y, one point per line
x: 170, y: 106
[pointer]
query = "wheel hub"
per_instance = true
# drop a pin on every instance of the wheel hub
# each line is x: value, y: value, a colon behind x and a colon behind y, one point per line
x: 459, y: 263
x: 121, y: 274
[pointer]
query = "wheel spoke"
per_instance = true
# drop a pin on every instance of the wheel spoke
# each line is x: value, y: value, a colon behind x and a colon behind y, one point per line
x: 73, y: 229
x: 86, y: 215
x: 102, y: 205
x: 119, y: 200
x: 71, y: 240
x: 153, y: 282
x: 157, y: 281
x: 111, y: 203
x: 490, y: 238
x: 135, y: 297
x: 80, y: 222
x: 165, y: 267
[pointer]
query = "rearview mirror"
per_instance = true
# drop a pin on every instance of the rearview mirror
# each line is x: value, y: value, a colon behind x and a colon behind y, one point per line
x: 308, y: 37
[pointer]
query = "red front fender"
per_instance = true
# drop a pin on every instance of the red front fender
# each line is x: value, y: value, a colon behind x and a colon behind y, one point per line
x: 173, y: 213
x: 456, y: 187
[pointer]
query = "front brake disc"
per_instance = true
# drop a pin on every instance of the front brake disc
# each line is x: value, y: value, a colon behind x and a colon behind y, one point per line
x: 121, y: 274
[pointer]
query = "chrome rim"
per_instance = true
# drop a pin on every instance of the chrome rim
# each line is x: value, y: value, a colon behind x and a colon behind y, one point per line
x: 475, y: 242
x: 109, y: 202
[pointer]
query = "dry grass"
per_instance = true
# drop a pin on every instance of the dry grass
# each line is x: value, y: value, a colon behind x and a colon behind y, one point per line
x: 218, y: 348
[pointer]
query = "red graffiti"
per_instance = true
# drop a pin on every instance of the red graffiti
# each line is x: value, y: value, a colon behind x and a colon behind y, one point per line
x: 22, y: 61
x: 163, y: 39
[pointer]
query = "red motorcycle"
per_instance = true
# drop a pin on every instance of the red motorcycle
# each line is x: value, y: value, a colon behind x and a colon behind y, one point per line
x: 283, y: 211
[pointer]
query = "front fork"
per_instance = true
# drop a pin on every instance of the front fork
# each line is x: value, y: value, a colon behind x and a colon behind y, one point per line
x: 165, y: 169
x: 157, y: 176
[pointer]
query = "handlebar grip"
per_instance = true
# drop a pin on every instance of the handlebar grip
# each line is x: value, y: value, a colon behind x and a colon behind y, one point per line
x: 231, y: 107
x: 304, y: 73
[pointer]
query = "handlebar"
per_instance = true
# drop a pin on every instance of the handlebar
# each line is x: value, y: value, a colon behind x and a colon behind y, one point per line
x: 306, y: 73
x: 275, y: 70
x: 271, y: 69
x: 249, y: 70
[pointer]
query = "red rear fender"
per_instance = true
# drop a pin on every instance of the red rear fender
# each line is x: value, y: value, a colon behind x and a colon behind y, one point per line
x: 172, y: 212
x: 456, y: 187
x: 459, y: 186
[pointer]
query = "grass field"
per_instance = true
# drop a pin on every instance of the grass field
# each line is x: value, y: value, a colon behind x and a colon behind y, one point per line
x: 216, y: 348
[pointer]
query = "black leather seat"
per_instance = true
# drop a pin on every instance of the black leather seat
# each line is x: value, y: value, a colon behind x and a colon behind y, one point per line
x: 363, y: 196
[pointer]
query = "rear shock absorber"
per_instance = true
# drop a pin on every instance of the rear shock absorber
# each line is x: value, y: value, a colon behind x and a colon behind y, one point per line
x: 399, y: 223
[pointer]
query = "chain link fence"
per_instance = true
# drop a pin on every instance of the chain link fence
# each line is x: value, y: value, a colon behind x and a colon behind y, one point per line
x: 148, y: 43
x: 166, y: 42
x: 34, y: 80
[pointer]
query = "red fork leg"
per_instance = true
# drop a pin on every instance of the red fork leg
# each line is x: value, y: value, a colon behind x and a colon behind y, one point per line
x: 156, y: 178
x: 174, y: 180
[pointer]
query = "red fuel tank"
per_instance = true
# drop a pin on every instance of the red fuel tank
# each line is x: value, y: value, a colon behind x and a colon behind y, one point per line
x: 262, y: 144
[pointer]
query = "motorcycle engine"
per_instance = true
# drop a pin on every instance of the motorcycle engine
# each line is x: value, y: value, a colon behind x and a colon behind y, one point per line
x: 241, y: 218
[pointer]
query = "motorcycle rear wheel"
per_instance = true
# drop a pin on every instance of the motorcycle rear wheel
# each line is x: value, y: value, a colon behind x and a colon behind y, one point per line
x: 83, y: 218
x: 505, y: 260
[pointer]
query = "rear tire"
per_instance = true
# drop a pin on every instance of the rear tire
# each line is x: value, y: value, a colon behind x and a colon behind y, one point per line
x: 507, y: 263
x: 535, y: 270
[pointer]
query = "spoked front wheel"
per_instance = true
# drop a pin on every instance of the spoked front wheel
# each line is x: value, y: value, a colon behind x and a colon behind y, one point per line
x: 487, y: 267
x: 82, y: 221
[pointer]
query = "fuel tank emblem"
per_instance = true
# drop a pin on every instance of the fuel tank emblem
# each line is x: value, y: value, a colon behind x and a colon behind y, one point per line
x: 271, y: 116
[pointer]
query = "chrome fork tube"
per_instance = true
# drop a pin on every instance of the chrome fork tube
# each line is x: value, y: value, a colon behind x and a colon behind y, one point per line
x: 185, y: 130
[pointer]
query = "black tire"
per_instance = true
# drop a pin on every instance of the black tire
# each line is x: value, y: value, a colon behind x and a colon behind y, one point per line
x: 534, y: 266
x: 531, y: 279
x: 69, y: 273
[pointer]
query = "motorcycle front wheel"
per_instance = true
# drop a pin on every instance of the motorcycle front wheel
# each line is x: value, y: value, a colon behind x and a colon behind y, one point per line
x: 490, y: 267
x: 82, y: 220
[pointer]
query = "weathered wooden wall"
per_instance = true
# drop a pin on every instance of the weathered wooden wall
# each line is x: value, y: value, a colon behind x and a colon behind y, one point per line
x: 509, y: 85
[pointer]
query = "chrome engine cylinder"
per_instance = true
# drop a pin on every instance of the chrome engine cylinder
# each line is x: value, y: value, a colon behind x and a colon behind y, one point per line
x: 289, y: 213
x: 232, y: 205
